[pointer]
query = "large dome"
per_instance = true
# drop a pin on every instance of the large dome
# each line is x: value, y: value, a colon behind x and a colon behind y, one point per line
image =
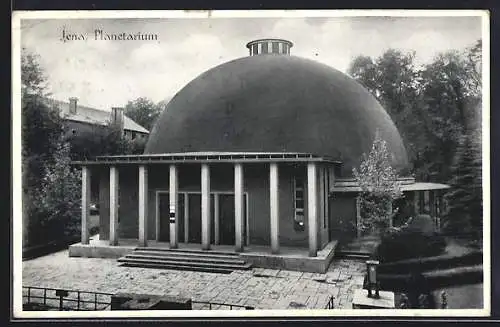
x: 275, y: 103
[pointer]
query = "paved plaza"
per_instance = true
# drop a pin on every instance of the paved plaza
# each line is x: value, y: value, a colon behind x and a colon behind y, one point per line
x: 258, y: 287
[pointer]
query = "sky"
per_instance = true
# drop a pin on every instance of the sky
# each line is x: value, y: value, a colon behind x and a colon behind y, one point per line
x: 104, y: 73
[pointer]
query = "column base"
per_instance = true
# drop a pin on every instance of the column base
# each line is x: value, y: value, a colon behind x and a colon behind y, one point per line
x: 238, y: 249
x: 174, y: 246
x: 313, y: 253
x: 205, y: 247
x: 113, y: 243
x: 143, y: 243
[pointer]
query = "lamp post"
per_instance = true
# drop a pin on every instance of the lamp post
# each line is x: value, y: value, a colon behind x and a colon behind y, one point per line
x: 373, y: 283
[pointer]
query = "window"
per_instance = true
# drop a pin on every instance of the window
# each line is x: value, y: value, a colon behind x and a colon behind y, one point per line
x: 255, y: 49
x: 264, y: 48
x: 298, y: 189
x: 275, y: 47
x: 133, y: 135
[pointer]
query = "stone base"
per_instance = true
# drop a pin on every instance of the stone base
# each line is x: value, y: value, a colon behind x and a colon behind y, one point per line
x: 289, y: 258
x: 128, y: 301
x: 99, y: 251
x: 297, y: 260
x: 362, y: 301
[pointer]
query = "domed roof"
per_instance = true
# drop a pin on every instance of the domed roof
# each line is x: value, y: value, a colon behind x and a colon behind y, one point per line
x: 275, y: 103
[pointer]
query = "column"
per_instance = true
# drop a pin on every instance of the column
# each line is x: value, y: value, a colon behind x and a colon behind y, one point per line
x: 186, y: 217
x: 143, y: 206
x: 205, y: 206
x: 358, y: 217
x: 416, y: 203
x: 238, y: 206
x: 216, y: 219
x: 85, y: 203
x: 312, y: 209
x: 426, y: 203
x: 274, y: 206
x: 432, y: 204
x: 113, y: 205
x: 174, y: 206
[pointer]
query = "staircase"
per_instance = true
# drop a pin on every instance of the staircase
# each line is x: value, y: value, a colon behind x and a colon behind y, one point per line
x: 185, y: 259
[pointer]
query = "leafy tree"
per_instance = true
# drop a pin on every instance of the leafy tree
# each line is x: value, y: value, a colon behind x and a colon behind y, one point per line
x: 41, y: 129
x: 465, y: 198
x: 58, y: 203
x: 394, y: 80
x: 444, y: 99
x: 33, y: 78
x: 143, y: 111
x: 437, y: 109
x: 48, y: 181
x: 430, y: 105
x: 379, y: 188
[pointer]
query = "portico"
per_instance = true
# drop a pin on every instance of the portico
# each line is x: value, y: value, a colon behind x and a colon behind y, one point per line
x: 229, y: 195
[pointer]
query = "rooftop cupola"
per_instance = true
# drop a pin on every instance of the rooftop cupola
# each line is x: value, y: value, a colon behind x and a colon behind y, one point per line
x: 269, y: 46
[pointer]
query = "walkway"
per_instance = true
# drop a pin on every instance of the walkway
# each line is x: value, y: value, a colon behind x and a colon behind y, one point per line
x: 261, y: 288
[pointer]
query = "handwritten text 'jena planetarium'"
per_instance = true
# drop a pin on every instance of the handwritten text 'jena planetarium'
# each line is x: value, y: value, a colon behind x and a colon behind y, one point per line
x: 100, y: 35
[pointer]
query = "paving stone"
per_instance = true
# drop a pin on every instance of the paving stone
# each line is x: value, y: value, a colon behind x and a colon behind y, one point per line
x: 276, y: 291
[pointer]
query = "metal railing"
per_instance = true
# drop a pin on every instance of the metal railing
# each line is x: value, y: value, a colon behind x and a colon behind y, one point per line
x: 216, y: 305
x: 329, y: 305
x: 43, y: 298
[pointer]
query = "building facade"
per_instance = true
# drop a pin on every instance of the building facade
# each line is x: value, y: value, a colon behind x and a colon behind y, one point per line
x: 255, y: 154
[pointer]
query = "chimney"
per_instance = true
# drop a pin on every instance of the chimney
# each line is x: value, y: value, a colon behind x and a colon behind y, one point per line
x: 269, y: 46
x: 72, y: 105
x: 117, y: 118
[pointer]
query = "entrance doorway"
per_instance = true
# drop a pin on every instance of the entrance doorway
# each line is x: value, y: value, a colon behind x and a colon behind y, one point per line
x: 164, y: 216
x: 225, y: 217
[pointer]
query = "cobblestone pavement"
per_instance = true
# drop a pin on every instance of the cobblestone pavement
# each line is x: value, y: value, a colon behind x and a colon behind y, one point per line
x: 258, y: 287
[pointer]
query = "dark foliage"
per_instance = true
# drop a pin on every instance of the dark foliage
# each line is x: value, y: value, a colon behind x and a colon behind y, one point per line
x: 405, y: 244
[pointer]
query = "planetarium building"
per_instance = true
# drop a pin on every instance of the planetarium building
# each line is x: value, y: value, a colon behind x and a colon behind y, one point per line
x: 252, y: 158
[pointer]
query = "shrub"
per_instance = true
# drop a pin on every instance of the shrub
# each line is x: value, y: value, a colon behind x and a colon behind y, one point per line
x: 409, y: 244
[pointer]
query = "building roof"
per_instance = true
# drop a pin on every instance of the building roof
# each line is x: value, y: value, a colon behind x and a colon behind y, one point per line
x: 94, y: 116
x: 276, y: 103
x: 209, y: 157
x: 408, y: 184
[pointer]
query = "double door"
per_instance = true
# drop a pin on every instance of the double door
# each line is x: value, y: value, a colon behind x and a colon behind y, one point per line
x: 225, y: 217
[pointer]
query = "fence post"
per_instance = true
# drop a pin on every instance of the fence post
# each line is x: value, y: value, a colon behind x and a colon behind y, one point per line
x: 78, y: 303
x: 44, y: 296
x: 29, y: 294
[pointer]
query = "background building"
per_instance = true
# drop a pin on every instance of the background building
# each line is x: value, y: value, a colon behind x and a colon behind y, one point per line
x: 80, y: 119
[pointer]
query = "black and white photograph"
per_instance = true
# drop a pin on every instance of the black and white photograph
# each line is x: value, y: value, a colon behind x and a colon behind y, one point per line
x: 251, y: 163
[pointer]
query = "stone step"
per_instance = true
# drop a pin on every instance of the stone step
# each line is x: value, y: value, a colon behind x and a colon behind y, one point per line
x: 187, y: 254
x: 182, y: 264
x: 180, y: 257
x: 187, y: 250
x: 178, y: 267
x: 352, y: 255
